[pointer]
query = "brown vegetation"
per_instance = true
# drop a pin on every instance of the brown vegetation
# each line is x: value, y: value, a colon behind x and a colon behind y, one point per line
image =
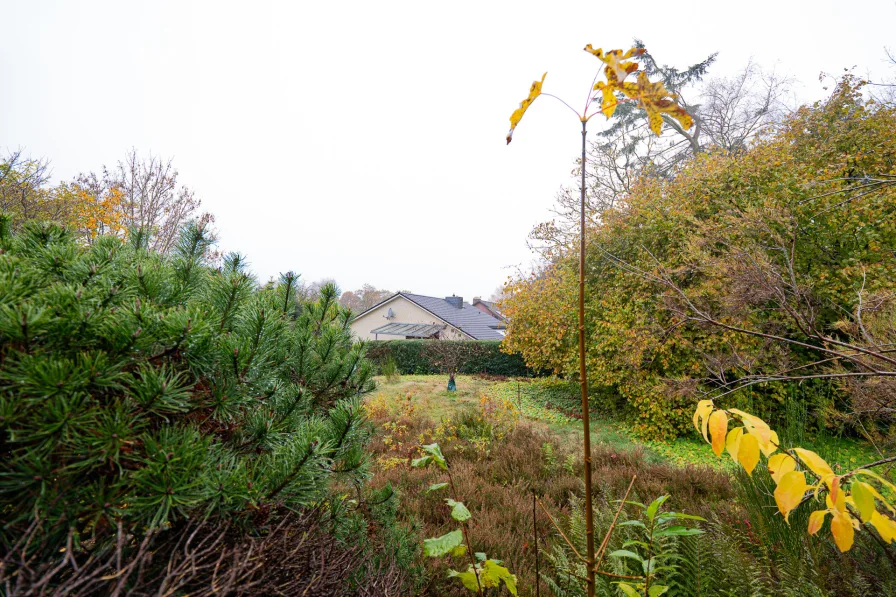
x: 497, y: 462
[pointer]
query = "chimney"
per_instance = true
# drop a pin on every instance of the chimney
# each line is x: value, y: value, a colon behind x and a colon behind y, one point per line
x: 455, y: 301
x: 476, y: 299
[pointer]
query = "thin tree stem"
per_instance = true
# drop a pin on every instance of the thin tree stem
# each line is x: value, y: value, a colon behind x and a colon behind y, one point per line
x: 463, y: 527
x: 583, y: 380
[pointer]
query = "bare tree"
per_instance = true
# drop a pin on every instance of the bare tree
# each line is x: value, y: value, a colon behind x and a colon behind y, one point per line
x: 24, y: 189
x: 153, y: 200
x: 364, y: 298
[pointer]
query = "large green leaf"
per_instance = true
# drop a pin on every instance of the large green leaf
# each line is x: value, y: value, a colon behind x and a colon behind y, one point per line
x: 436, y: 486
x: 436, y: 453
x: 439, y: 546
x: 468, y: 578
x: 493, y: 575
x: 624, y: 553
x: 677, y: 531
x: 655, y: 505
x: 459, y: 512
x: 628, y: 589
x: 421, y: 462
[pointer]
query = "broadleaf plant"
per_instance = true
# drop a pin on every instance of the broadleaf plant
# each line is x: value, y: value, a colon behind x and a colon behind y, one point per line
x: 482, y: 573
x: 851, y: 499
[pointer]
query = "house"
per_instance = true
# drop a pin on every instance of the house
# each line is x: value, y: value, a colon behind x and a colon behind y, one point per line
x: 489, y: 308
x: 410, y: 316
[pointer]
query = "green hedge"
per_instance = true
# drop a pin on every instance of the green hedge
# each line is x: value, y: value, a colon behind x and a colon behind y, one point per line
x: 473, y: 356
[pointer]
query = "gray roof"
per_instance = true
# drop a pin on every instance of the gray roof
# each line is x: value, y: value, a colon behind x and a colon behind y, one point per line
x: 493, y: 307
x: 469, y: 319
x: 412, y: 330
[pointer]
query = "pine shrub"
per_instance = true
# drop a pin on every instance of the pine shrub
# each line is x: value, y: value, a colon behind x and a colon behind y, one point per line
x: 139, y: 390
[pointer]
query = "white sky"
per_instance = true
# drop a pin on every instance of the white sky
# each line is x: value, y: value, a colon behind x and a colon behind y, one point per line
x: 364, y: 141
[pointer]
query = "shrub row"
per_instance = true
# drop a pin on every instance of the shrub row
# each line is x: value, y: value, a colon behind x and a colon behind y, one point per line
x: 428, y: 356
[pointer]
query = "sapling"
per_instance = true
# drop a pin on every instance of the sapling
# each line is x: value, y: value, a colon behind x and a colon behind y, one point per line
x: 482, y: 573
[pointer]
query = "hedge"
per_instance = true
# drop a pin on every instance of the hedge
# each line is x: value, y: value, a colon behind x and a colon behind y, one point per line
x: 475, y: 356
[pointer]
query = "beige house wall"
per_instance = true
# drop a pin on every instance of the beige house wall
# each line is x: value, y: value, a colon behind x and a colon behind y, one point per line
x: 405, y: 312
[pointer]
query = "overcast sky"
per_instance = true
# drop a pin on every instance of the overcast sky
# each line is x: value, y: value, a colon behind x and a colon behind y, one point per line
x: 364, y: 141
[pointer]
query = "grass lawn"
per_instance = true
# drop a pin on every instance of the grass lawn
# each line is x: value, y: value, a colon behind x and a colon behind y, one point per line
x: 550, y: 403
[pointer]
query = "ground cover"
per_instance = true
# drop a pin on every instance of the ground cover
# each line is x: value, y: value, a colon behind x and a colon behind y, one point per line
x: 508, y: 439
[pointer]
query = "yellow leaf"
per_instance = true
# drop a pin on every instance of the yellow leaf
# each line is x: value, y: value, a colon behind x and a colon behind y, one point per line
x: 656, y: 100
x: 874, y: 475
x: 749, y: 453
x: 780, y: 464
x: 732, y: 443
x: 754, y: 425
x: 790, y: 491
x: 885, y: 526
x: 816, y: 520
x: 534, y: 92
x: 704, y: 408
x: 863, y: 499
x: 718, y: 426
x: 815, y: 463
x: 772, y: 446
x: 842, y: 529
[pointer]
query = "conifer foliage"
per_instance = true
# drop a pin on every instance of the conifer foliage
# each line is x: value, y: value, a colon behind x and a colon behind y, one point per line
x: 137, y: 390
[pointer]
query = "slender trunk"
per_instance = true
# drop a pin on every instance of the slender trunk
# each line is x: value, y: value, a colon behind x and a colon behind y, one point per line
x: 583, y: 381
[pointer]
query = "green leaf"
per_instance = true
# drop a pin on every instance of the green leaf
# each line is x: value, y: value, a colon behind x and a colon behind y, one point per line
x: 657, y: 590
x: 439, y: 546
x: 628, y: 589
x: 421, y: 462
x: 480, y: 556
x: 654, y: 506
x: 624, y: 553
x: 673, y: 515
x: 634, y: 542
x: 468, y: 578
x: 632, y: 523
x: 436, y: 452
x: 459, y: 551
x: 436, y: 486
x: 459, y: 512
x: 493, y: 575
x: 864, y: 499
x: 677, y: 531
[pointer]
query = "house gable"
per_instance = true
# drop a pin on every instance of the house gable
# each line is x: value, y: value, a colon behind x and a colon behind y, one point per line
x: 404, y: 310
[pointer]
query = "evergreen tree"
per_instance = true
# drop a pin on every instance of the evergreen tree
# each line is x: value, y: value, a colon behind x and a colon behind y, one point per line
x: 138, y: 389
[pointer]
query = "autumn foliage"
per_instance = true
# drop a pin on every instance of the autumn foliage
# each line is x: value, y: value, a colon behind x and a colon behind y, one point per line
x: 783, y: 238
x: 850, y: 499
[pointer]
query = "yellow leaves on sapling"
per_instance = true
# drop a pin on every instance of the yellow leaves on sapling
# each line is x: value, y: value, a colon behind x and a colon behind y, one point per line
x: 816, y: 521
x: 534, y: 92
x: 815, y: 463
x: 617, y: 69
x: 780, y: 464
x: 842, y: 529
x: 718, y: 427
x: 748, y: 455
x: 885, y: 526
x: 732, y: 442
x: 701, y: 417
x: 790, y: 492
x: 652, y: 97
x: 656, y: 100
